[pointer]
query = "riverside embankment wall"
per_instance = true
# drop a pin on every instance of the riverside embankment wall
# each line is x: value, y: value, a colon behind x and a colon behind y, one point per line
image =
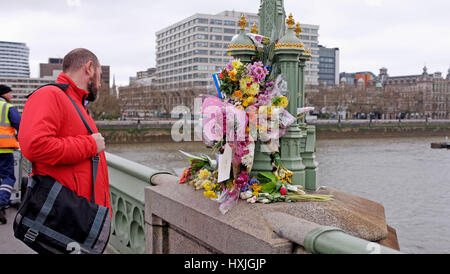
x: 122, y: 132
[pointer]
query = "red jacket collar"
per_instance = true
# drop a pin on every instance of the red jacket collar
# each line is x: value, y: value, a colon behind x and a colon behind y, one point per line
x: 75, y: 92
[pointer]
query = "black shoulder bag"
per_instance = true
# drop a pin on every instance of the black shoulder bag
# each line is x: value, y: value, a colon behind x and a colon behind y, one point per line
x: 54, y: 220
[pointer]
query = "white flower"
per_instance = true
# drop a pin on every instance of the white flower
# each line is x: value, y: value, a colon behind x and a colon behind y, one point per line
x: 246, y: 195
x: 292, y: 188
x: 252, y: 200
x: 282, y: 174
x: 266, y: 201
x: 247, y: 160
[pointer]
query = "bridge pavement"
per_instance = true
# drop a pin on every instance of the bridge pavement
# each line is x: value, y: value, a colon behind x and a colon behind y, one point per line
x: 9, y: 244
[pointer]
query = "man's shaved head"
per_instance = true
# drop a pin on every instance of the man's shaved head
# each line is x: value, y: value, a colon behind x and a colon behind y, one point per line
x: 77, y: 58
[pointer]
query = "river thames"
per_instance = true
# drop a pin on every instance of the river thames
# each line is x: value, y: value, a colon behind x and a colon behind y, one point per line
x: 411, y: 180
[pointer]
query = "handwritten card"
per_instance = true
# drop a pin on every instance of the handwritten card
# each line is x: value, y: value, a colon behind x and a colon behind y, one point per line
x: 225, y: 164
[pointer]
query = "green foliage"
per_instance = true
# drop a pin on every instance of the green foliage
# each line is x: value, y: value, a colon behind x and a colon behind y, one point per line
x: 269, y: 187
x: 266, y: 177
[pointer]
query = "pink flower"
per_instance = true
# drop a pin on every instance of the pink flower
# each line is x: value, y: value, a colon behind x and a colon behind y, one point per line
x: 242, y: 181
x: 283, y: 191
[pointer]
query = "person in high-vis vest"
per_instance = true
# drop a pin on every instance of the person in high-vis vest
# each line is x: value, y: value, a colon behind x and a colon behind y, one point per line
x: 9, y: 124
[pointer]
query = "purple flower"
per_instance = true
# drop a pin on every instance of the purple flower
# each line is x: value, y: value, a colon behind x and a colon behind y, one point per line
x: 257, y: 71
x: 252, y: 182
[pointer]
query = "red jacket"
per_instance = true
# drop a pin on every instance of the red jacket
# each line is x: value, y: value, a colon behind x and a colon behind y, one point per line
x: 53, y: 137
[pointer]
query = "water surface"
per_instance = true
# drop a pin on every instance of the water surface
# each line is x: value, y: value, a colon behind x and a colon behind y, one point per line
x: 411, y: 180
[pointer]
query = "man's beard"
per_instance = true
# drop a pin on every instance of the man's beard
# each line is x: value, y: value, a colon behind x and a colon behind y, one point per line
x: 92, y: 89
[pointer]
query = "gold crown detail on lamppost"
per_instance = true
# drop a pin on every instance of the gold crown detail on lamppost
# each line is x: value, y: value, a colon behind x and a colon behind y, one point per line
x: 290, y: 21
x: 298, y: 29
x: 255, y: 29
x: 243, y: 22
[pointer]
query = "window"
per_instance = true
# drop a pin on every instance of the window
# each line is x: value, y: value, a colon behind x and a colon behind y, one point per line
x: 229, y: 31
x: 200, y: 60
x: 228, y: 38
x: 304, y: 37
x: 200, y: 52
x: 215, y: 22
x: 201, y: 44
x: 215, y: 60
x: 215, y: 45
x: 216, y: 37
x: 201, y: 29
x: 215, y: 53
x: 201, y: 36
x: 229, y: 23
x: 201, y: 21
x: 216, y: 30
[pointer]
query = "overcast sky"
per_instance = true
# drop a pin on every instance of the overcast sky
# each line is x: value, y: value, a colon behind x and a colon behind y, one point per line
x: 402, y: 35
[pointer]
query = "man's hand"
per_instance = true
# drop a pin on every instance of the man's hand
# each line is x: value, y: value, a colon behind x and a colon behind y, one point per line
x: 100, y: 141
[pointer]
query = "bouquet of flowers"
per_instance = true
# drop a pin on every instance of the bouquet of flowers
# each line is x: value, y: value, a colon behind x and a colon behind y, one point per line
x: 251, y: 101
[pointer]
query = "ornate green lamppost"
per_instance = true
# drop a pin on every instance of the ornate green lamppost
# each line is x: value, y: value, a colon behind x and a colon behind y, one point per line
x: 298, y: 144
x: 288, y: 50
x: 242, y: 46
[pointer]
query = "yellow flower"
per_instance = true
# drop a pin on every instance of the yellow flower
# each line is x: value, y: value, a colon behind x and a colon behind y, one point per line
x: 289, y: 173
x: 247, y: 101
x: 207, y: 185
x: 204, y: 174
x: 237, y: 63
x: 210, y: 194
x: 253, y: 90
x: 233, y: 74
x: 244, y: 83
x: 284, y: 102
x: 256, y: 189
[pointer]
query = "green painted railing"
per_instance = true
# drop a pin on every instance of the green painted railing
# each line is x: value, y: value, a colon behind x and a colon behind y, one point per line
x: 127, y: 181
x: 318, y: 239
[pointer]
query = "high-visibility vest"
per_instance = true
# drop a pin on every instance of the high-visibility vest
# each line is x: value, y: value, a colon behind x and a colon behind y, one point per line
x: 8, y: 140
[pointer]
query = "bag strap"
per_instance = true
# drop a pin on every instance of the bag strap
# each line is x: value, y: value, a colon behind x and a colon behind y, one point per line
x: 62, y: 87
x: 95, y: 160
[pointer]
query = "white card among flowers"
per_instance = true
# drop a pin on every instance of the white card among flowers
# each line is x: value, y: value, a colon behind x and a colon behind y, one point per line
x: 224, y: 164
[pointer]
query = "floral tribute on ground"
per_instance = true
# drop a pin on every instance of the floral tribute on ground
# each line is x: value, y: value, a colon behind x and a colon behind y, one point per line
x: 250, y: 107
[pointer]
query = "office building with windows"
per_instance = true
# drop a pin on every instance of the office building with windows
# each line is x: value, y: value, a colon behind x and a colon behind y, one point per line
x: 55, y: 66
x: 328, y: 66
x: 22, y: 87
x: 190, y: 51
x: 14, y: 59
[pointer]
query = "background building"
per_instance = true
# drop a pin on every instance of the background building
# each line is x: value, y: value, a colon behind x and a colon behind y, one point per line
x: 14, y: 60
x: 362, y: 95
x: 190, y: 51
x: 22, y: 87
x: 328, y: 66
x: 310, y: 38
x: 143, y: 78
x: 54, y: 67
x: 357, y: 78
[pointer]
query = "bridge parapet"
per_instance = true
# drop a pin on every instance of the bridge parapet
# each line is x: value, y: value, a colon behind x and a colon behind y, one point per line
x: 128, y: 181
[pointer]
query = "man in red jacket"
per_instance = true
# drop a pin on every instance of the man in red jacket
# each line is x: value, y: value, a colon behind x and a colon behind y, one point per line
x: 53, y: 137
